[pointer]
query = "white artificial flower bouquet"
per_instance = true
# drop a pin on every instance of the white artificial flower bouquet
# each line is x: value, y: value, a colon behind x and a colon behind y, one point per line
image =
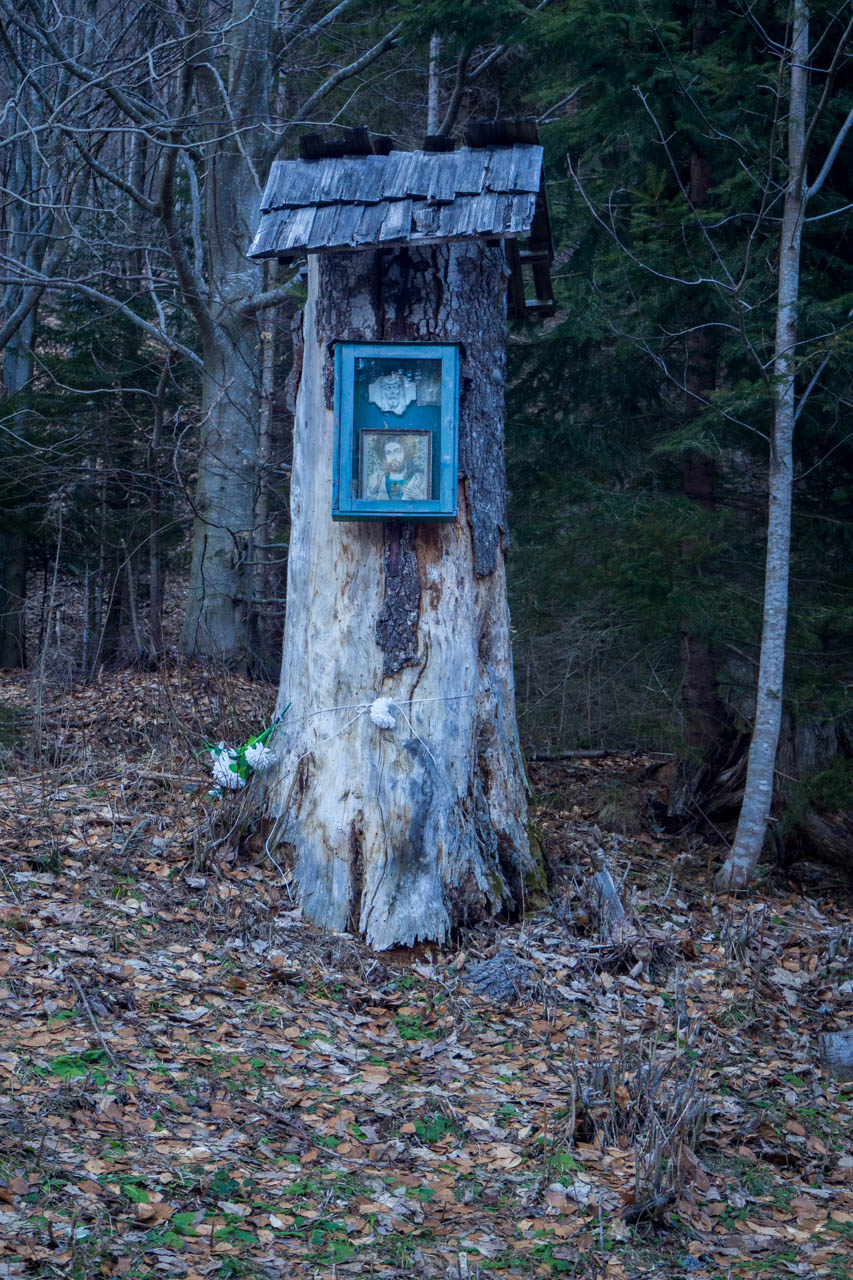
x: 234, y: 766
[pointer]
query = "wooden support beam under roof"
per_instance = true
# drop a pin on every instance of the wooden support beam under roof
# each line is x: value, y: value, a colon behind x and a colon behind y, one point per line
x: 539, y: 252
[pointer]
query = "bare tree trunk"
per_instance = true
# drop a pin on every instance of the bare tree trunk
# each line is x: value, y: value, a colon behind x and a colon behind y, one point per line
x: 155, y: 526
x: 400, y: 834
x: 739, y: 868
x: 433, y: 83
x: 217, y: 619
x: 218, y: 622
x: 262, y: 534
x: 131, y: 603
x: 13, y: 598
x: 17, y: 376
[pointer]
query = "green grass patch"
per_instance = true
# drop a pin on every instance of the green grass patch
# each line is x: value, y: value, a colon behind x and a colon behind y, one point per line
x: 69, y: 1066
x: 412, y: 1027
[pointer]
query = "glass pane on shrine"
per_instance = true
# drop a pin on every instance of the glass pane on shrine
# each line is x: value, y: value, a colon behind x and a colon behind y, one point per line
x: 396, y: 435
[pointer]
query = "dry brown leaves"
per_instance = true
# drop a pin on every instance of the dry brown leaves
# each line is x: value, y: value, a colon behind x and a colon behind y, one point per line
x: 193, y: 1083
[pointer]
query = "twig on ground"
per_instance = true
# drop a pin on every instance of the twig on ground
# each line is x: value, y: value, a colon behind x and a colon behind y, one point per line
x: 653, y: 1208
x: 11, y: 887
x: 106, y: 1048
x: 600, y: 753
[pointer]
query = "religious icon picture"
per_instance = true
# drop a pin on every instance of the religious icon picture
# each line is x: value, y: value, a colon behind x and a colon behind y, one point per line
x: 396, y: 466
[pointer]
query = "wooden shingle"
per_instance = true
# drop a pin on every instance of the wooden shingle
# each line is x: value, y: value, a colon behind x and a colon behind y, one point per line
x: 412, y: 197
x: 397, y: 223
x: 401, y: 187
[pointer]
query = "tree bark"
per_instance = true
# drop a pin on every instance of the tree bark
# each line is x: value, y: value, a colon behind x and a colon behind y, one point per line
x: 433, y: 83
x: 836, y: 1053
x: 13, y: 598
x: 17, y: 375
x: 400, y: 834
x: 217, y: 622
x: 156, y: 574
x: 739, y: 868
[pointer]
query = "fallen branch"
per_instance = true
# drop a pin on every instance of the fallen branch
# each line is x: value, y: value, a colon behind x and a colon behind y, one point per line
x: 106, y: 1048
x: 598, y: 754
x: 653, y: 1208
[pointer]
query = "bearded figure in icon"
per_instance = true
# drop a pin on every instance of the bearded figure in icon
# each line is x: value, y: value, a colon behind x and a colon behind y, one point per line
x: 399, y: 477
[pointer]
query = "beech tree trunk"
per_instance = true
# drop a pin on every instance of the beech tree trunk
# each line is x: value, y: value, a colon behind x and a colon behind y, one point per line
x: 739, y: 868
x: 400, y: 834
x: 217, y: 623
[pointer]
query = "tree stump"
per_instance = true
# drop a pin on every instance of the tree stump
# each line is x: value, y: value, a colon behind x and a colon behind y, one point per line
x: 400, y: 833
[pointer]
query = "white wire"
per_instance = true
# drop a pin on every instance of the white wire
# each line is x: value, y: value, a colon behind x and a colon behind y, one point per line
x: 362, y: 708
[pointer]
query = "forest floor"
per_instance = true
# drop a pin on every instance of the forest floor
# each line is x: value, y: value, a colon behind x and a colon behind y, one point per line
x: 194, y: 1083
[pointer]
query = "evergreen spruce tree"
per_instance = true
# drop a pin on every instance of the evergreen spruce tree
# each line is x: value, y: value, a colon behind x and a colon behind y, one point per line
x: 671, y: 207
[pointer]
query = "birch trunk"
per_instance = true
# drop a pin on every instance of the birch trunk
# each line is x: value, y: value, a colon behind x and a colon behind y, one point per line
x: 433, y: 83
x: 739, y: 868
x: 156, y: 582
x: 400, y: 834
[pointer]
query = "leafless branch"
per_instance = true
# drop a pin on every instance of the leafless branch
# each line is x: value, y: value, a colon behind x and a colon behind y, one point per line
x: 42, y: 281
x: 459, y: 87
x: 333, y: 81
x: 832, y: 156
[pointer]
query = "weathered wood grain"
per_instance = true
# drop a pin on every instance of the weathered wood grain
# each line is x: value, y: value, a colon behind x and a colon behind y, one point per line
x: 402, y: 174
x: 400, y: 834
x: 441, y: 176
x: 470, y: 172
x: 457, y: 195
x: 397, y: 222
x: 836, y: 1053
x: 498, y: 172
x: 372, y: 217
x: 397, y: 624
x: 525, y: 172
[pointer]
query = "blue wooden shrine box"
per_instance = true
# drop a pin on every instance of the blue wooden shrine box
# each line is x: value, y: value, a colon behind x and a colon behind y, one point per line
x: 396, y: 431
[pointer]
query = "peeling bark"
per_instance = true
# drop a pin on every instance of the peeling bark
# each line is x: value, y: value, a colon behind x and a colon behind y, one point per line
x: 401, y: 834
x: 397, y: 624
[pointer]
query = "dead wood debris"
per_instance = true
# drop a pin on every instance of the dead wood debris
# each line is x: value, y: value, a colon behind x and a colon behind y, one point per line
x: 504, y: 977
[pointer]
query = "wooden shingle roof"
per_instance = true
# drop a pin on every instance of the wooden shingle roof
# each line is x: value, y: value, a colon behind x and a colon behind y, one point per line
x: 404, y: 197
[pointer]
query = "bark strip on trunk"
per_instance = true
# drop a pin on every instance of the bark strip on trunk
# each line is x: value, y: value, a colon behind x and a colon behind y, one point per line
x: 397, y: 624
x: 399, y: 834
